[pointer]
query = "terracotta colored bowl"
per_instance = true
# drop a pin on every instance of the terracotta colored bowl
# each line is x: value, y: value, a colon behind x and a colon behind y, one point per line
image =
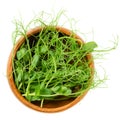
x: 49, y: 106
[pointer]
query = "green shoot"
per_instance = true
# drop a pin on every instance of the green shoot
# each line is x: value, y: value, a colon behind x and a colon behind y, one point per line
x: 51, y: 65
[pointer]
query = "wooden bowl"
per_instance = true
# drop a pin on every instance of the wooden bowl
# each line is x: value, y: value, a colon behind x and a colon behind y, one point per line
x: 49, y: 106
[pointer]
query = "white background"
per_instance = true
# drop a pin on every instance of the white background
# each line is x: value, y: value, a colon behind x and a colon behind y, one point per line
x: 100, y: 16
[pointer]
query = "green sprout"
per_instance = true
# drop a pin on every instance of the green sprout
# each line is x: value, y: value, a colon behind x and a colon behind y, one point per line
x: 51, y: 65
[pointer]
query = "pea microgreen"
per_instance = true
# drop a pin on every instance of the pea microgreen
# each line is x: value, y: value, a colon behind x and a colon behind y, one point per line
x: 51, y: 65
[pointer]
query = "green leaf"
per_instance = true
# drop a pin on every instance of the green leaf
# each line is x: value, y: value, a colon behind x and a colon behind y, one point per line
x: 45, y: 91
x: 25, y: 75
x: 21, y: 53
x: 42, y: 85
x: 41, y: 90
x: 62, y: 90
x: 43, y: 49
x: 37, y: 90
x: 89, y: 46
x: 65, y: 91
x: 34, y: 61
x: 56, y: 89
x: 20, y: 74
x: 33, y: 98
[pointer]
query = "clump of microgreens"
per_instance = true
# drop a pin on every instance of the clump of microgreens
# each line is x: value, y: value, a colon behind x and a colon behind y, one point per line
x: 51, y: 65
